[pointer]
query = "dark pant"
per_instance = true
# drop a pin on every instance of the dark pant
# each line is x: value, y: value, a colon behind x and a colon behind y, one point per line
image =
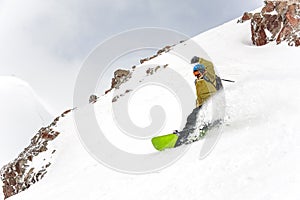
x: 189, y: 127
x: 192, y: 119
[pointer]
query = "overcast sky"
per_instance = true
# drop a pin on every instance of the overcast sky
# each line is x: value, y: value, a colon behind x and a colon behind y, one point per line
x: 71, y: 28
x: 37, y: 36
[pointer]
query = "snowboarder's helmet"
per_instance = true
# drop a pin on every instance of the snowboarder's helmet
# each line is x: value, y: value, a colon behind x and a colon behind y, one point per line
x: 199, y: 68
x: 195, y: 59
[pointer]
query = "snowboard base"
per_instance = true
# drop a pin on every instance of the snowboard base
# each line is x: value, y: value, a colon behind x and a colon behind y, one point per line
x: 164, y: 142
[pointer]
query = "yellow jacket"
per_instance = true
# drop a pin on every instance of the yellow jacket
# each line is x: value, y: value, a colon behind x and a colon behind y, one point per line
x: 206, y: 86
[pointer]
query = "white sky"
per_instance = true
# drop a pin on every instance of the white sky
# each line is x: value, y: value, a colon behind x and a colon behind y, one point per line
x: 71, y: 28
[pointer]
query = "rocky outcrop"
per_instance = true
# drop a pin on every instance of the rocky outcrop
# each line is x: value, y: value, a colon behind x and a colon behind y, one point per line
x: 159, y: 52
x: 120, y: 76
x: 20, y: 174
x: 93, y: 98
x: 278, y: 21
x: 150, y: 71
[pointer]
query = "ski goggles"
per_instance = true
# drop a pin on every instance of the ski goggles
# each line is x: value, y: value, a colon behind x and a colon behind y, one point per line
x: 197, y: 73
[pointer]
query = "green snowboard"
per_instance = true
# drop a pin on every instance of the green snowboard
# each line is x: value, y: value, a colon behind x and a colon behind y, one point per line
x: 164, y: 142
x: 173, y: 140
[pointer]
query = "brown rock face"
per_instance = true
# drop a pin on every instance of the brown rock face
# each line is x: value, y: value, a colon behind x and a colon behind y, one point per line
x: 259, y: 36
x: 270, y: 6
x: 18, y: 176
x: 281, y: 7
x: 297, y: 42
x: 278, y: 20
x: 273, y: 24
x: 247, y: 16
x: 284, y: 33
x: 120, y: 77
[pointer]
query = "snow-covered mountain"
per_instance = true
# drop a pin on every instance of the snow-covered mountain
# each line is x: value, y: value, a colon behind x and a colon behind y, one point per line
x: 22, y: 114
x: 256, y: 157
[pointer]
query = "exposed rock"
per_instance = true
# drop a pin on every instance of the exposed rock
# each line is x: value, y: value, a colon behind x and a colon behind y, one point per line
x: 18, y: 176
x: 48, y: 165
x: 156, y: 68
x: 273, y: 24
x: 66, y: 112
x: 165, y: 49
x: 281, y: 7
x: 152, y: 70
x: 30, y: 158
x: 259, y: 36
x: 120, y: 77
x: 12, y: 181
x: 121, y: 73
x: 269, y: 7
x: 279, y: 18
x: 297, y: 42
x: 18, y: 167
x: 93, y: 99
x: 247, y: 16
x: 149, y: 71
x: 115, y: 99
x: 144, y: 60
x: 284, y: 34
x: 159, y: 52
x: 9, y: 191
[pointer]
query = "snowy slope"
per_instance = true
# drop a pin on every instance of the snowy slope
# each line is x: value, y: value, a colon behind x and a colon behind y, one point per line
x: 22, y: 115
x: 256, y: 158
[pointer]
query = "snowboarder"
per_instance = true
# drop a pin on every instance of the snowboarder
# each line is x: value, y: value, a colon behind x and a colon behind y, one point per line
x: 207, y: 84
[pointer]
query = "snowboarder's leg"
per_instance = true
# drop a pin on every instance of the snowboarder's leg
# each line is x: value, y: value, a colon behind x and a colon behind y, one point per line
x: 189, y: 127
x: 192, y: 119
